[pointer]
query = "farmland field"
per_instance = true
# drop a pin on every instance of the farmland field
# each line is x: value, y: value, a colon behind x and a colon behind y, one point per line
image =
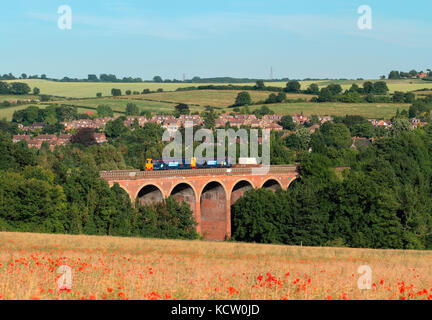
x: 89, y: 89
x: 393, y: 85
x: 118, y: 104
x: 367, y: 110
x: 123, y: 268
x: 372, y: 110
x: 216, y: 98
x: 7, y: 112
x: 5, y: 97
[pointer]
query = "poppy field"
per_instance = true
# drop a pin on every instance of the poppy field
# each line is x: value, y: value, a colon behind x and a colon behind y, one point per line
x: 106, y: 268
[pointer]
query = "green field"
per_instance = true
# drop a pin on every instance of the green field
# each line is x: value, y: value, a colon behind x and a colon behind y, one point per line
x: 368, y: 110
x: 7, y: 112
x: 393, y: 85
x: 82, y: 94
x: 118, y: 104
x: 89, y: 89
x: 5, y: 97
x: 215, y: 98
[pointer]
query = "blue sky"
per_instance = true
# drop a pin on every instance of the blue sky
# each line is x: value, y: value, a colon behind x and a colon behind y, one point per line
x: 238, y: 38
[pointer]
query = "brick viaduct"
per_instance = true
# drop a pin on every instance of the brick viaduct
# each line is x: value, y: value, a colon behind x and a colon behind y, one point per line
x: 209, y: 192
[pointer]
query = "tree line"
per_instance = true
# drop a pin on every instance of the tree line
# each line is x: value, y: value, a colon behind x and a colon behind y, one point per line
x: 61, y: 192
x: 383, y: 201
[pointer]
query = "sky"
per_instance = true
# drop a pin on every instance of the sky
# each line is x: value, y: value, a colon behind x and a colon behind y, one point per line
x: 238, y: 38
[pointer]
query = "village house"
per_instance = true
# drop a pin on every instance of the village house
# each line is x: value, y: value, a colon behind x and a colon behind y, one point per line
x: 19, y: 137
x: 256, y: 123
x: 273, y: 127
x: 160, y: 119
x: 64, y: 139
x: 130, y: 120
x: 47, y: 137
x: 37, y: 141
x: 171, y: 126
x: 270, y: 118
x: 380, y: 123
x: 236, y: 123
x: 314, y: 127
x: 300, y: 118
x: 100, y: 138
x: 101, y: 122
x: 220, y: 123
x: 325, y: 119
x: 37, y: 126
x: 190, y: 120
x: 421, y: 75
x: 417, y: 123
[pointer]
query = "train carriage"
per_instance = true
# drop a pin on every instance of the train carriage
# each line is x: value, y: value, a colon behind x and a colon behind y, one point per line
x: 193, y: 163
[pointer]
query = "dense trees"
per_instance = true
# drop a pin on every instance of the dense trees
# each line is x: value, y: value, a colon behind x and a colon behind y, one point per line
x: 157, y: 79
x: 209, y: 118
x: 85, y: 137
x: 132, y: 109
x: 370, y: 92
x: 167, y: 219
x: 182, y: 108
x: 104, y: 110
x: 18, y: 88
x: 293, y: 86
x: 287, y: 122
x: 61, y: 192
x: 384, y: 201
x: 243, y: 99
x: 312, y: 89
x: 31, y: 202
x: 116, y: 92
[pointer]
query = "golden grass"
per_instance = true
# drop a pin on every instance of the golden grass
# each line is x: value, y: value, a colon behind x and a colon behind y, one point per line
x: 126, y: 268
x: 89, y: 89
x: 367, y: 110
x: 216, y: 98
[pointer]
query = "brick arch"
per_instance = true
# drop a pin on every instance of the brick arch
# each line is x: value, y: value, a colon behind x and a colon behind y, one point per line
x: 214, y: 210
x: 235, y: 195
x: 210, y: 181
x: 124, y: 188
x: 182, y: 195
x: 293, y: 180
x: 269, y: 180
x: 134, y: 181
x: 177, y: 183
x: 155, y: 185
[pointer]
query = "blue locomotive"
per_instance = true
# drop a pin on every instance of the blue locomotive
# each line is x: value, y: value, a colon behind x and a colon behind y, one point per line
x: 194, y: 163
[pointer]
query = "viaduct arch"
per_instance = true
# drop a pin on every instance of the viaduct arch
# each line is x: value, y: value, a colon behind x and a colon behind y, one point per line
x: 210, y: 193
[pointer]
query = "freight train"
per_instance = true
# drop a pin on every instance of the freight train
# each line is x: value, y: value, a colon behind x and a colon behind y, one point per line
x: 194, y: 163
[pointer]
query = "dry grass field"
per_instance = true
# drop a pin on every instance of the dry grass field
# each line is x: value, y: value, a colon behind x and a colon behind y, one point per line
x: 367, y: 110
x: 89, y: 89
x: 123, y: 268
x: 216, y: 98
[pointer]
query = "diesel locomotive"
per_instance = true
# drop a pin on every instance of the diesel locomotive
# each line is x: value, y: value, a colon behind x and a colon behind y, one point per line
x: 193, y: 163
